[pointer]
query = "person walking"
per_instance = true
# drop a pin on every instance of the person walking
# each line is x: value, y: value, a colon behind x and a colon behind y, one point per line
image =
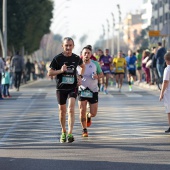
x: 17, y: 65
x: 63, y: 66
x: 28, y: 69
x: 165, y: 90
x: 88, y: 91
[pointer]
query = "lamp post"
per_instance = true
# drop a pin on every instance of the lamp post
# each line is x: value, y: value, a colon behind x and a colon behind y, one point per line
x: 4, y: 30
x: 58, y: 16
x: 103, y: 44
x: 108, y: 30
x: 113, y: 49
x: 118, y: 37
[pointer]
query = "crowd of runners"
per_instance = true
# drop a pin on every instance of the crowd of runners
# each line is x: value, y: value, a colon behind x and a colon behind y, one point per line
x: 88, y: 74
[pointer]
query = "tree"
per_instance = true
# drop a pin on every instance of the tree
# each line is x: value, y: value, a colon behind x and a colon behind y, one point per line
x: 142, y: 40
x: 27, y: 22
x: 82, y: 39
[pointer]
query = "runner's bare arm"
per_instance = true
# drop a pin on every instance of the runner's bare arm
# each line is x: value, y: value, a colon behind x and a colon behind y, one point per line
x: 164, y: 87
x: 52, y: 72
x: 82, y: 69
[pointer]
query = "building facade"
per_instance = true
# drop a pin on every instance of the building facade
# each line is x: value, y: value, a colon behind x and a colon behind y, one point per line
x: 146, y: 13
x: 132, y: 29
x: 161, y: 19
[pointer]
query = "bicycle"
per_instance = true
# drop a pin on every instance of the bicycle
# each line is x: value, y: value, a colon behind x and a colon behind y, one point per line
x: 158, y: 80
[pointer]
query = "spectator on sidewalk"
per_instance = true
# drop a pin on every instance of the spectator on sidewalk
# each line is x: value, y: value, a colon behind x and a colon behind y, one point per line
x: 160, y: 59
x: 11, y: 74
x: 151, y: 64
x: 33, y: 71
x: 28, y: 69
x: 145, y: 57
x: 6, y: 83
x: 1, y: 71
x: 37, y: 69
x: 17, y: 65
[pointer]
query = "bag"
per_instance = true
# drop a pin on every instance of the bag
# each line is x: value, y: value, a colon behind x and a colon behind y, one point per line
x: 148, y: 64
x: 145, y: 60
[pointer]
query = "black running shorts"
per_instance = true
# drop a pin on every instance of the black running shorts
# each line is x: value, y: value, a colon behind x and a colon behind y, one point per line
x: 63, y: 95
x: 132, y: 72
x: 90, y: 100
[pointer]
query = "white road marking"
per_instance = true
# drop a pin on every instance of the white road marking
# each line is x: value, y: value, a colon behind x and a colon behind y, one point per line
x: 15, y: 123
x: 132, y: 95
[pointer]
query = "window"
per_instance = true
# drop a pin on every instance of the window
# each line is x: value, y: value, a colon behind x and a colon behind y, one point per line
x: 166, y: 16
x: 156, y: 6
x: 144, y: 11
x: 160, y: 19
x: 144, y: 21
x: 156, y: 21
x: 160, y: 3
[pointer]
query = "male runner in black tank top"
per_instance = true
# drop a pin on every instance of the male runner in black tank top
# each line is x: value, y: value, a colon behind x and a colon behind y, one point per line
x: 63, y: 66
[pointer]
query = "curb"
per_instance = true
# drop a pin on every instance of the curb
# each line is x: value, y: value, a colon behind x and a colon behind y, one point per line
x: 146, y: 86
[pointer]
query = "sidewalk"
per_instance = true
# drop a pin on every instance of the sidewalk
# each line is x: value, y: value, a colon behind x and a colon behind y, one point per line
x: 146, y: 86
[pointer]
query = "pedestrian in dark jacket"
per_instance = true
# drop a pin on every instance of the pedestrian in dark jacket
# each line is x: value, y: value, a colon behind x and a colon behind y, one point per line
x: 160, y: 60
x: 17, y: 65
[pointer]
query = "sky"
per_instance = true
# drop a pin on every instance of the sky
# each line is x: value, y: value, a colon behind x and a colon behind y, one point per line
x: 75, y: 18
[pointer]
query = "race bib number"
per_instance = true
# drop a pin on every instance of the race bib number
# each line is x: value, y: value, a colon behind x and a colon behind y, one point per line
x: 67, y: 79
x: 86, y: 93
x: 106, y: 71
x: 131, y: 66
x: 119, y: 68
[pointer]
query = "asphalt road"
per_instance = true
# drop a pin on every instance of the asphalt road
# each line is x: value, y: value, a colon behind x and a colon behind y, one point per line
x: 127, y: 133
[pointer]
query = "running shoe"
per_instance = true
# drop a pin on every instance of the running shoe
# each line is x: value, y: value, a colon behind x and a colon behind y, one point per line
x: 63, y: 138
x: 70, y: 138
x: 167, y: 131
x: 105, y: 92
x: 84, y: 133
x: 88, y: 120
x: 130, y: 88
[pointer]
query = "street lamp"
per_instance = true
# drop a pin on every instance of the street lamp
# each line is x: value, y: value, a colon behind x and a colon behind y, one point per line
x: 4, y: 30
x: 108, y: 30
x: 118, y: 37
x: 113, y: 34
x: 103, y: 35
x: 58, y: 16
